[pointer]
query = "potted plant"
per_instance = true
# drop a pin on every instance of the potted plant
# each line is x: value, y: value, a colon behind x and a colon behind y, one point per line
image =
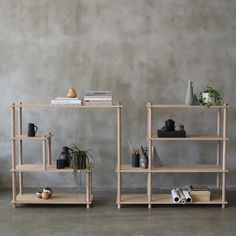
x: 210, y: 96
x: 80, y: 159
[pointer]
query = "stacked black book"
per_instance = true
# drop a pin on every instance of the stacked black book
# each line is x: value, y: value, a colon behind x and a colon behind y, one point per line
x: 161, y: 133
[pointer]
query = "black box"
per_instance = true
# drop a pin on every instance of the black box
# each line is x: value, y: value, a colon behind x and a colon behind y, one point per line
x: 171, y: 134
x: 61, y: 164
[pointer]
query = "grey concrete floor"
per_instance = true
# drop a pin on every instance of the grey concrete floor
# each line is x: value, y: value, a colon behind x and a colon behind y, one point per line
x: 105, y: 219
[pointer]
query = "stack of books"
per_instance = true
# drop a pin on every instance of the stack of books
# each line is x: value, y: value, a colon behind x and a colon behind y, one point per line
x: 66, y: 101
x: 97, y: 98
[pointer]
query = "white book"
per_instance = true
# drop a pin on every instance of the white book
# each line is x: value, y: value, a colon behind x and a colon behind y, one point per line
x: 66, y: 98
x: 97, y: 99
x: 96, y: 103
x: 66, y: 102
x: 98, y: 93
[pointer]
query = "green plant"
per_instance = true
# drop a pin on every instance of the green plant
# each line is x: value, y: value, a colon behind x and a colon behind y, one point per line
x: 212, y: 93
x: 80, y: 159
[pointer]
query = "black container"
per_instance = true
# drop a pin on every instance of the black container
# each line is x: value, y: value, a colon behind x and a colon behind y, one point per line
x: 65, y: 156
x: 60, y: 164
x: 32, y: 129
x: 170, y: 125
x: 135, y: 160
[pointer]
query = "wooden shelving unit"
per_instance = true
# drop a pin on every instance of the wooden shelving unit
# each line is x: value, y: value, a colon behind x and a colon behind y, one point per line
x: 19, y: 167
x: 219, y: 168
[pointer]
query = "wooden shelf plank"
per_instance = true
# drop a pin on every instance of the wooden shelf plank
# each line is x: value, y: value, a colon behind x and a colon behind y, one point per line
x: 167, y: 199
x: 162, y: 199
x: 25, y: 137
x: 175, y: 169
x: 133, y: 199
x: 39, y: 168
x: 66, y: 106
x: 192, y: 138
x: 129, y: 168
x: 189, y: 169
x: 57, y: 198
x: 185, y: 106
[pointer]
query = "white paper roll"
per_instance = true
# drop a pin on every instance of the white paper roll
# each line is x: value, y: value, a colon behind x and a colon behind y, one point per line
x: 187, y: 196
x: 181, y: 195
x: 175, y: 196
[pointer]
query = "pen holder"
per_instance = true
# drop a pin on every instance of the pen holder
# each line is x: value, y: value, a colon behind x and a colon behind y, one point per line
x: 61, y: 164
x: 135, y: 160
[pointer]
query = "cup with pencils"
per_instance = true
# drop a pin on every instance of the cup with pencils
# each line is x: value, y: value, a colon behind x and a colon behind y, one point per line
x: 135, y: 154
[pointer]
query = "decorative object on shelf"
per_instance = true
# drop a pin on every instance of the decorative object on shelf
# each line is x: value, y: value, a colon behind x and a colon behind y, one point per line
x: 170, y: 125
x: 175, y: 196
x: 143, y: 162
x: 189, y: 93
x: 210, y: 96
x: 97, y: 98
x: 39, y: 194
x: 136, y: 159
x: 80, y: 159
x: 71, y: 93
x: 66, y: 101
x: 195, y: 101
x: 60, y: 164
x: 181, y: 196
x: 171, y: 131
x: 156, y: 159
x: 32, y: 129
x: 179, y: 127
x: 45, y: 194
x: 135, y: 155
x: 198, y: 193
x: 187, y: 196
x: 48, y: 190
x: 65, y: 155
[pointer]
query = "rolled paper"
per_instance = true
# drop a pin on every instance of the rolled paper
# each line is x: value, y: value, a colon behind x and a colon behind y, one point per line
x: 187, y: 196
x: 181, y: 195
x: 175, y: 196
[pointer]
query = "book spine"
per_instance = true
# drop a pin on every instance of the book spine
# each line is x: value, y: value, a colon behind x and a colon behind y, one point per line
x: 65, y: 102
x: 98, y: 93
x: 97, y: 103
x: 97, y: 99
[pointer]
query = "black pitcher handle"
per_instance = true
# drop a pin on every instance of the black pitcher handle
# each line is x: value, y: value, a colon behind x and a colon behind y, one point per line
x: 35, y: 128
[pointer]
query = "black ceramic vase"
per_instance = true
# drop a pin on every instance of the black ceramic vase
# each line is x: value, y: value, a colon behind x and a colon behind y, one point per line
x: 65, y: 156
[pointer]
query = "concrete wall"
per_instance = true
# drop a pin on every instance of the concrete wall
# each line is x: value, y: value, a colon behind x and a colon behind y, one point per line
x: 142, y: 50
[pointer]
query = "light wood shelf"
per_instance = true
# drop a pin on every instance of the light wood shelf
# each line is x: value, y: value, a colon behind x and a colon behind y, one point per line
x: 19, y: 167
x: 129, y: 169
x: 196, y: 168
x: 49, y: 168
x: 128, y: 198
x: 131, y: 198
x: 118, y: 105
x: 178, y: 106
x: 25, y: 137
x: 57, y: 198
x: 218, y: 168
x: 191, y: 138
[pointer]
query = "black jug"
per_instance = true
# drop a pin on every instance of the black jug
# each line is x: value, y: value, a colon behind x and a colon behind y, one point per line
x: 170, y: 125
x: 65, y: 156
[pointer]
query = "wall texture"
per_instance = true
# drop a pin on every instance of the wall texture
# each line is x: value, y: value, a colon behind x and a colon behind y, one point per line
x: 142, y: 50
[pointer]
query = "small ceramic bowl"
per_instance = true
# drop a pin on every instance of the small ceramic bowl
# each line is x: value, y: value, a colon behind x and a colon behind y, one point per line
x: 179, y: 127
x: 39, y: 194
x: 48, y: 190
